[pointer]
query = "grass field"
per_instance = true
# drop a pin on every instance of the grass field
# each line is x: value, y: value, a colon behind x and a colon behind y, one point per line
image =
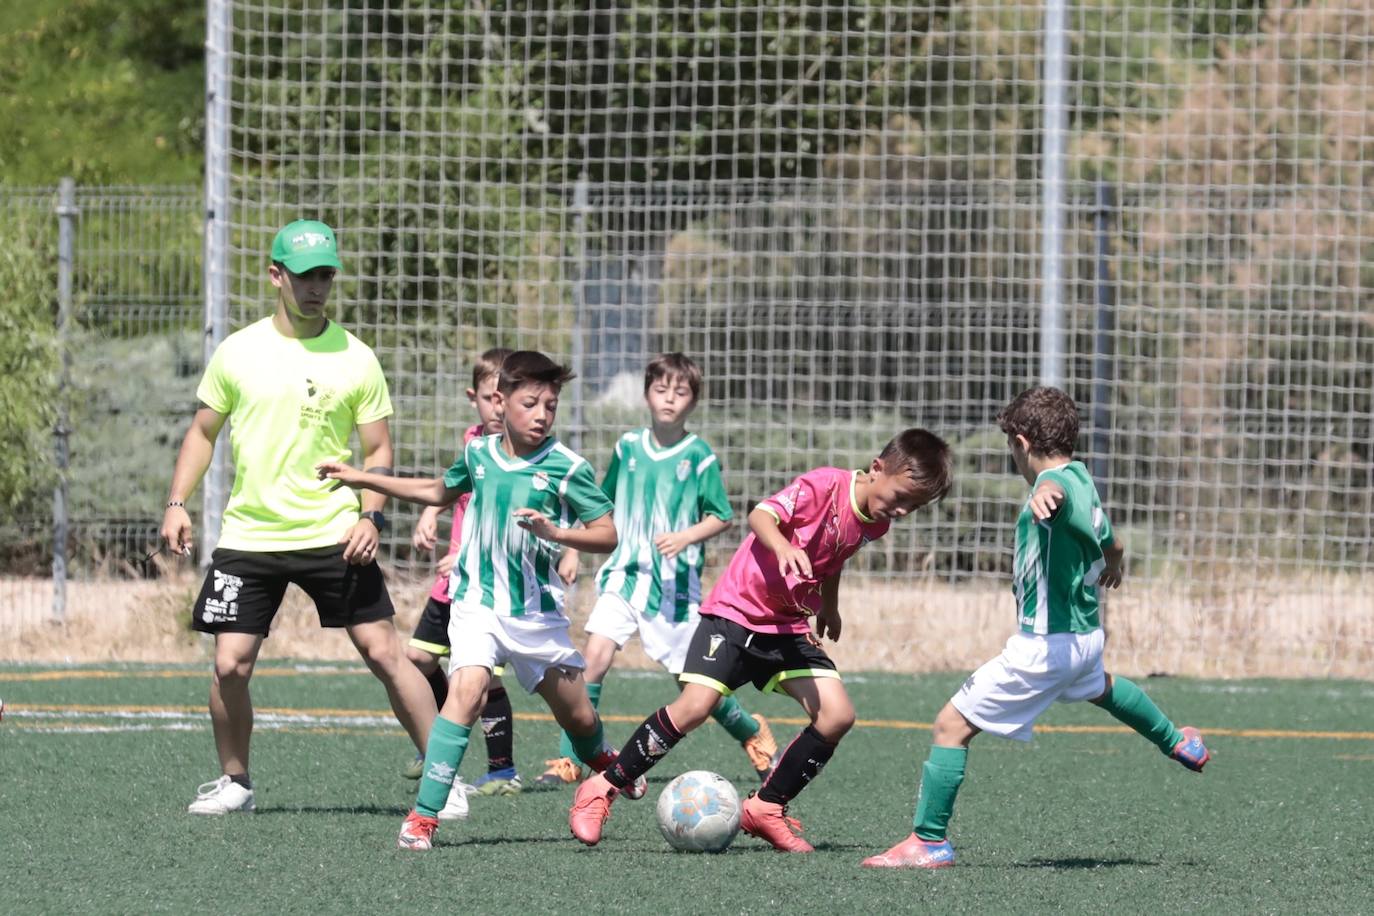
x: 97, y: 765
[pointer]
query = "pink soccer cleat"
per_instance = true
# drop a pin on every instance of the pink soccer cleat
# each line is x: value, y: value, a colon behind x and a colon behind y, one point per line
x: 417, y: 832
x: 914, y: 852
x: 591, y: 807
x: 769, y: 822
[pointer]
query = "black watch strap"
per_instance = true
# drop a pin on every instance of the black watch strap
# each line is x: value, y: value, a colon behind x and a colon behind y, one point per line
x: 376, y: 518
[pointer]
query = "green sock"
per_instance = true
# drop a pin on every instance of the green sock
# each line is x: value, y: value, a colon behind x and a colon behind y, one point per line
x: 940, y: 779
x: 588, y: 746
x: 1129, y: 704
x: 735, y: 719
x: 565, y: 744
x: 444, y: 752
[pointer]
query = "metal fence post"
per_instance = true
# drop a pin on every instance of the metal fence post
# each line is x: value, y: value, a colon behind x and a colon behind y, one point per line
x: 214, y: 490
x: 1103, y: 342
x: 66, y: 242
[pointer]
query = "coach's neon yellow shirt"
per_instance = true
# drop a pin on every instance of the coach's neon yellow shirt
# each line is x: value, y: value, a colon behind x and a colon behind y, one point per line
x: 291, y: 404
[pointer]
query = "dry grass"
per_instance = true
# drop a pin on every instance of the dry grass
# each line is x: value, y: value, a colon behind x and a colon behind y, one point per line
x: 1323, y: 630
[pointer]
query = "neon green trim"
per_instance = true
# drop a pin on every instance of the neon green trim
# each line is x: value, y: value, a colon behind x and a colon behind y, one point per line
x: 498, y: 670
x: 705, y: 682
x: 433, y: 648
x: 772, y: 685
x: 854, y: 499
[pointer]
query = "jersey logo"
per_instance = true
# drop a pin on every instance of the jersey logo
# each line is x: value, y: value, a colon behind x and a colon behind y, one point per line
x: 481, y: 472
x: 319, y: 399
x: 684, y: 467
x: 540, y: 481
x: 714, y: 645
x: 631, y: 466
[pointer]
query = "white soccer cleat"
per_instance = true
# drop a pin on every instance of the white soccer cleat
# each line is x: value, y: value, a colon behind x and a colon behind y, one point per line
x: 223, y: 796
x: 456, y: 808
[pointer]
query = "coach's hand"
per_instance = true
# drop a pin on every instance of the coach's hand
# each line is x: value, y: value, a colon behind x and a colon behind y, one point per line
x: 176, y: 530
x: 360, y: 543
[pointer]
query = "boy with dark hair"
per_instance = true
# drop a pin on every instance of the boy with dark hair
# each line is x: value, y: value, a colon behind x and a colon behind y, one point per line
x: 429, y: 643
x: 756, y: 628
x: 1065, y: 550
x: 669, y: 498
x: 528, y: 490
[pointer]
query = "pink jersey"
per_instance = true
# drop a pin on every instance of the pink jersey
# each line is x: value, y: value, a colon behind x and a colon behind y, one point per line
x: 455, y: 535
x: 816, y: 512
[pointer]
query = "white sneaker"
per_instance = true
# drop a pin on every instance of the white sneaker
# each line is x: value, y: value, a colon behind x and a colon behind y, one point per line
x: 456, y: 808
x: 223, y: 796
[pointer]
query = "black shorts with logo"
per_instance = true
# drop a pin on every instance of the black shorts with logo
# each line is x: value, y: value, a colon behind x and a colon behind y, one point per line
x: 725, y: 655
x: 243, y: 589
x: 431, y: 630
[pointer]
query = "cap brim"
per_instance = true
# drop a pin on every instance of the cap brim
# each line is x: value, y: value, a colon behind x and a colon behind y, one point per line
x: 308, y: 260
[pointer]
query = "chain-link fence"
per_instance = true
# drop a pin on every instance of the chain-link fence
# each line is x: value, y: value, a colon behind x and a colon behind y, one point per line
x: 116, y: 282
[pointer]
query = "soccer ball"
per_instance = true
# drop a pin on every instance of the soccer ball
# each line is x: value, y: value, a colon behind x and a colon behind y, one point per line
x: 699, y: 812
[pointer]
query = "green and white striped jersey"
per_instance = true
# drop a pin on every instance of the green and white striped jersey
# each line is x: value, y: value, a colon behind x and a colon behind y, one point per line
x: 1057, y: 562
x: 656, y: 491
x: 500, y: 565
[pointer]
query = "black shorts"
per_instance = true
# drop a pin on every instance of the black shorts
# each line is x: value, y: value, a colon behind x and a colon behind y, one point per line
x: 431, y: 630
x: 243, y: 589
x: 725, y: 656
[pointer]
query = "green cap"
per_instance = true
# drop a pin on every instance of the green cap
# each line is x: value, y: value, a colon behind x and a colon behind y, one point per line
x: 305, y: 245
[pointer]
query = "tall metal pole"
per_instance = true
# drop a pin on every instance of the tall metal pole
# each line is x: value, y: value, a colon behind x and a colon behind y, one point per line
x: 66, y: 244
x: 577, y: 415
x: 219, y: 17
x: 1054, y: 125
x: 1103, y: 342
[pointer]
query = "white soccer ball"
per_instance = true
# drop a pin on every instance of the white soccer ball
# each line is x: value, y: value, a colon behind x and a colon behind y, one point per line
x: 699, y: 812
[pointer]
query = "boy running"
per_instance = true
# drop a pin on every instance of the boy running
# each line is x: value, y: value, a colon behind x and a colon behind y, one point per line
x: 507, y: 597
x: 429, y: 643
x: 755, y: 628
x: 669, y: 498
x: 1065, y: 550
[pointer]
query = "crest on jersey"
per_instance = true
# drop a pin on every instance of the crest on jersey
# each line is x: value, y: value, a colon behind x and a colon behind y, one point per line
x: 480, y: 472
x: 632, y: 464
x: 714, y: 645
x: 540, y: 481
x: 684, y: 467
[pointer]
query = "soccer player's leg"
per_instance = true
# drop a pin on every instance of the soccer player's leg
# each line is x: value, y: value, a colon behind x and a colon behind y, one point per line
x: 611, y: 623
x: 428, y: 650
x: 807, y: 674
x: 238, y: 599
x: 928, y: 844
x: 1131, y: 706
x: 667, y: 642
x: 498, y: 731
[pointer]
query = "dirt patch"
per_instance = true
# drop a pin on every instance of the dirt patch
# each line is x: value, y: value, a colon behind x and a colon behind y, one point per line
x: 1319, y: 629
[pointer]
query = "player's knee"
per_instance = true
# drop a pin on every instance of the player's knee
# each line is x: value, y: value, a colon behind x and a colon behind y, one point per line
x: 421, y: 659
x: 834, y: 723
x: 951, y: 728
x: 233, y: 672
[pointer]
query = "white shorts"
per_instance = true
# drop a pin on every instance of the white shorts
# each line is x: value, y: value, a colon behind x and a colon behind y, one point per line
x: 527, y: 646
x: 1006, y: 695
x: 664, y: 641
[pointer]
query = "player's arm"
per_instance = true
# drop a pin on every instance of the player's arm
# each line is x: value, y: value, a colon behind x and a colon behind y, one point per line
x: 596, y: 536
x: 425, y: 491
x: 197, y: 450
x: 426, y: 533
x: 828, y: 620
x: 671, y: 543
x: 767, y: 529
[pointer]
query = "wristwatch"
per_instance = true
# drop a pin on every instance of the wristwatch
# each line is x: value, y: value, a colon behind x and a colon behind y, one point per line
x: 377, y: 519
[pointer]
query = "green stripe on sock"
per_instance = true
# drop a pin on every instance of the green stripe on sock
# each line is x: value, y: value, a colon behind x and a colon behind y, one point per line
x: 940, y: 779
x: 735, y: 719
x: 447, y: 742
x: 1131, y: 706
